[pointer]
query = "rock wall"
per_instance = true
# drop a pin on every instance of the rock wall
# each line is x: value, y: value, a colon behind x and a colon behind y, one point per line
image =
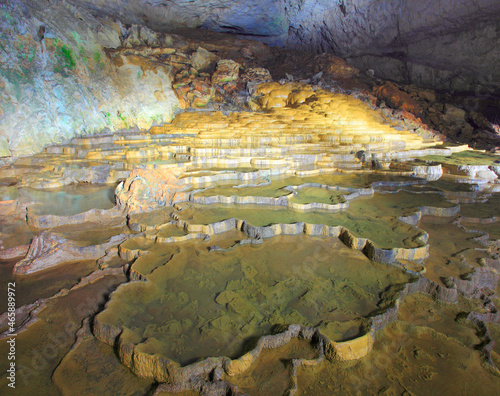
x: 63, y: 71
x: 57, y: 80
x: 443, y: 44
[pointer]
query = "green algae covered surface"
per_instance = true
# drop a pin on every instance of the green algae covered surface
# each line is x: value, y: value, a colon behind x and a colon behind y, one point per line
x: 407, y: 359
x: 274, y: 186
x: 31, y: 288
x: 468, y: 157
x: 452, y: 250
x: 493, y: 230
x: 309, y: 195
x: 40, y: 348
x: 200, y: 303
x: 394, y: 234
x: 187, y: 296
x: 374, y: 218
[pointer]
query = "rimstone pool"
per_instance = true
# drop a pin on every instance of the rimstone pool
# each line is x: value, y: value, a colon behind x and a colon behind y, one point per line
x: 306, y: 249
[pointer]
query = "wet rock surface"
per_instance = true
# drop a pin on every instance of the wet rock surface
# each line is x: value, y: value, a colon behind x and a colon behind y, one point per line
x: 237, y: 219
x: 247, y: 203
x: 144, y: 189
x: 48, y: 250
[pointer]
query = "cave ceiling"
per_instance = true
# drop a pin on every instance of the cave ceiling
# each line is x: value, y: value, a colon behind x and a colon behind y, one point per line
x: 446, y: 44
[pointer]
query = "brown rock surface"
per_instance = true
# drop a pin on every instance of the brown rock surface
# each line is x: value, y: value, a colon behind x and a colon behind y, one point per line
x: 227, y: 72
x: 334, y: 66
x: 396, y: 98
x: 203, y: 60
x: 13, y: 252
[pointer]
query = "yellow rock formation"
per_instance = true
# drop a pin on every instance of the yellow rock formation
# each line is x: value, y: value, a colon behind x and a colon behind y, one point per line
x: 352, y: 349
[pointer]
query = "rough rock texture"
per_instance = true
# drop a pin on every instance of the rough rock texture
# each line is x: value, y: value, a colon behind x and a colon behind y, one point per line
x: 439, y: 43
x: 67, y: 68
x: 48, y: 250
x: 396, y: 98
x: 146, y: 189
x: 57, y: 80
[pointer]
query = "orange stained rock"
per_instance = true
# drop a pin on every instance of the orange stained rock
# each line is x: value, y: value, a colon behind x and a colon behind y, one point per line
x: 227, y: 71
x: 94, y: 155
x: 201, y: 85
x: 297, y: 97
x: 294, y: 125
x: 182, y: 90
x: 398, y: 99
x: 329, y: 117
x: 335, y: 66
x: 147, y: 188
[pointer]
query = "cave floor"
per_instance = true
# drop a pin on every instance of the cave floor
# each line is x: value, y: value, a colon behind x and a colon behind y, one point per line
x: 311, y: 249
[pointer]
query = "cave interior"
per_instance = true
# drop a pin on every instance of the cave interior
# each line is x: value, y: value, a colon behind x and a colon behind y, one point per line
x: 213, y: 197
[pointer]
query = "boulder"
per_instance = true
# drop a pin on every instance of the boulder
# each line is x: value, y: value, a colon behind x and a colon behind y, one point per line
x: 427, y: 95
x: 335, y: 67
x: 227, y: 72
x: 453, y: 115
x: 203, y: 60
x: 193, y: 89
x: 396, y: 98
x: 480, y: 121
x: 147, y: 189
x: 255, y: 76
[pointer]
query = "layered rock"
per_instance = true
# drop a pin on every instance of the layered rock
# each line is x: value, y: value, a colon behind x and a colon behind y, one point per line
x: 425, y: 108
x: 48, y: 250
